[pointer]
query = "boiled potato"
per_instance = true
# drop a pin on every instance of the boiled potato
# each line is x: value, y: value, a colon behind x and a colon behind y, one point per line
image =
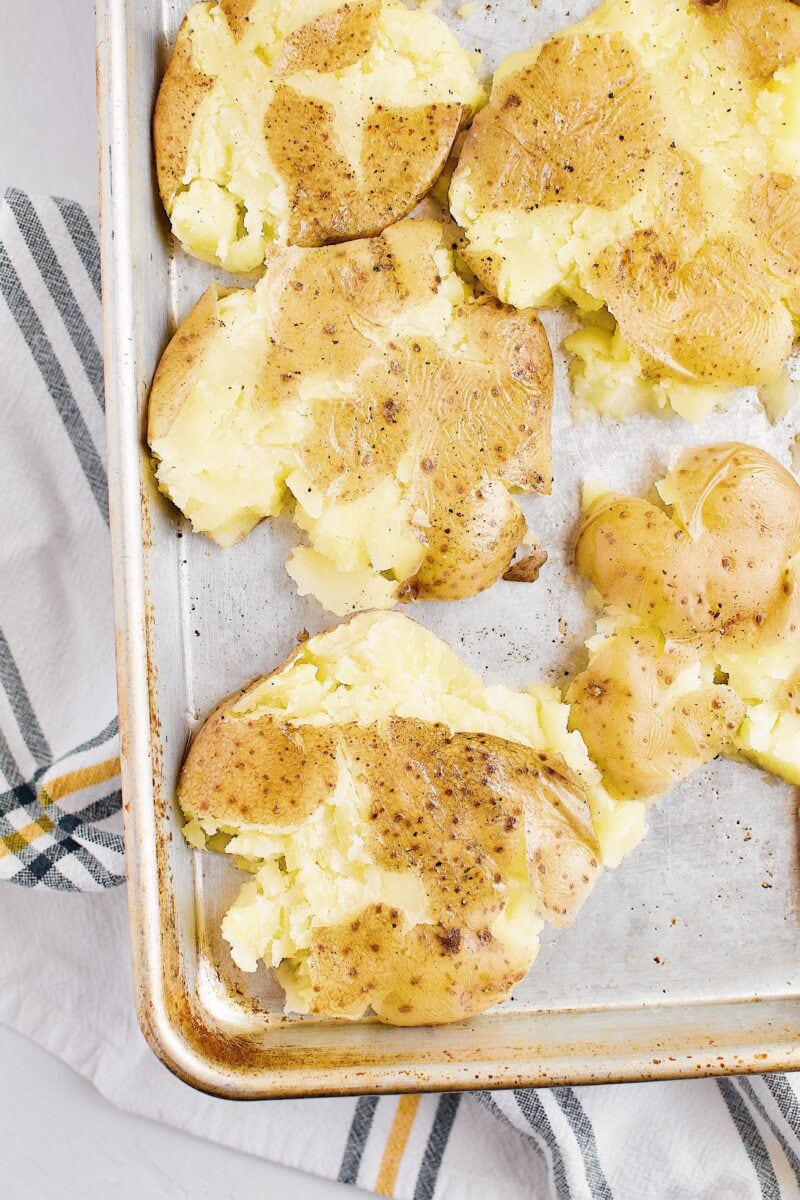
x: 699, y: 651
x: 647, y: 715
x: 367, y: 390
x: 304, y: 123
x: 407, y: 828
x: 645, y: 164
x: 719, y: 567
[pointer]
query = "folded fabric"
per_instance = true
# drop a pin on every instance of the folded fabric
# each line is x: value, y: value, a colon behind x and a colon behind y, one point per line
x: 64, y: 974
x: 59, y: 809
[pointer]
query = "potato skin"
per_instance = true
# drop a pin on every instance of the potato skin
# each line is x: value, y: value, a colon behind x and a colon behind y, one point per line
x: 710, y: 316
x: 758, y: 36
x: 430, y: 976
x: 642, y: 739
x: 332, y: 41
x: 720, y: 570
x: 461, y: 812
x: 326, y: 205
x: 183, y: 89
x: 549, y: 133
x: 182, y: 362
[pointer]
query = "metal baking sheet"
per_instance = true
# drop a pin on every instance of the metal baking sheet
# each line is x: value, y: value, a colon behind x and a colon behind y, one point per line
x: 685, y: 960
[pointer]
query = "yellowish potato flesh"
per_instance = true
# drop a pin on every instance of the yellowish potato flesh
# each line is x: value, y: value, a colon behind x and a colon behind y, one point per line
x: 644, y: 165
x: 768, y: 680
x: 304, y: 123
x: 368, y: 391
x: 699, y: 651
x: 407, y: 828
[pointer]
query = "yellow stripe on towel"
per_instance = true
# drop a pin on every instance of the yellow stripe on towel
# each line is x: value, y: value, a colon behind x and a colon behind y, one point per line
x: 20, y: 838
x: 76, y: 781
x: 396, y: 1144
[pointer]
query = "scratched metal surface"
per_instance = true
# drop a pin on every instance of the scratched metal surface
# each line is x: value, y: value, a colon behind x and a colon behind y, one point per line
x: 704, y: 913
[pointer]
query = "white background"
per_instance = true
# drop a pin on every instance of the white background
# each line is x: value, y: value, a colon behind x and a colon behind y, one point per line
x: 61, y: 1139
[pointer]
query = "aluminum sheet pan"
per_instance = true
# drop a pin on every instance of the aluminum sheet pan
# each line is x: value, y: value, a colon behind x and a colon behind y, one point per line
x: 684, y: 962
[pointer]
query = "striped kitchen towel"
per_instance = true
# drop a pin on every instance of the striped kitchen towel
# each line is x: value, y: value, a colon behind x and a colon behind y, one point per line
x: 732, y: 1139
x: 60, y: 801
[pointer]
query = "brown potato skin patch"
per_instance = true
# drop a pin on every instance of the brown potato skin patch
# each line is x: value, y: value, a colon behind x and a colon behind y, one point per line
x: 721, y: 576
x: 237, y: 14
x: 332, y: 41
x: 182, y: 90
x: 458, y: 811
x: 527, y: 569
x: 642, y: 741
x: 475, y: 425
x: 182, y: 362
x: 411, y: 979
x: 241, y: 770
x: 708, y: 313
x: 403, y: 153
x: 759, y: 36
x: 577, y: 126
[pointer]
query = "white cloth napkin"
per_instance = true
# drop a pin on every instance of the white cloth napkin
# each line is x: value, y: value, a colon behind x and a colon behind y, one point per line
x: 64, y: 964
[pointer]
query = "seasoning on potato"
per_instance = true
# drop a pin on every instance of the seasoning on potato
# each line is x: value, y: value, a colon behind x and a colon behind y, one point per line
x: 645, y: 164
x: 365, y: 389
x: 304, y: 123
x: 408, y: 829
x: 699, y: 653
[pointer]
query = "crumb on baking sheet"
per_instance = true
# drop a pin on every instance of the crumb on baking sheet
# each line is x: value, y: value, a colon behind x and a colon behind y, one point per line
x: 526, y: 570
x: 794, y: 453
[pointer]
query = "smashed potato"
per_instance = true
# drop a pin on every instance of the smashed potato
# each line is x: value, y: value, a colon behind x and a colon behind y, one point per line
x: 408, y: 829
x: 719, y: 567
x: 644, y: 164
x: 647, y: 712
x: 367, y: 390
x: 699, y: 653
x: 304, y: 123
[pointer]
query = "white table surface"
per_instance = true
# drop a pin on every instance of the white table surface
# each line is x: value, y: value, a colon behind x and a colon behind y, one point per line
x: 61, y: 1139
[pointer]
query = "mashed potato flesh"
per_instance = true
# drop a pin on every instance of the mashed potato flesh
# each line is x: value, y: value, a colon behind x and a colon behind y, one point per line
x: 545, y: 255
x: 234, y: 201
x: 610, y: 381
x: 734, y: 129
x: 768, y: 681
